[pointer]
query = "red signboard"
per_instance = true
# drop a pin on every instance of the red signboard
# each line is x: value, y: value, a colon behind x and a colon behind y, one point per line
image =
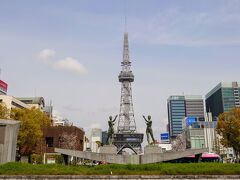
x: 3, y: 85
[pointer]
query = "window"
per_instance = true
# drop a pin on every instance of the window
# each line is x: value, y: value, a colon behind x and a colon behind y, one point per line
x: 17, y: 105
x: 27, y: 101
x: 81, y: 142
x: 49, y: 141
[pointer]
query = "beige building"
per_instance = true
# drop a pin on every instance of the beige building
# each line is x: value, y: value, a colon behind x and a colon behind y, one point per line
x: 12, y: 102
x: 37, y: 102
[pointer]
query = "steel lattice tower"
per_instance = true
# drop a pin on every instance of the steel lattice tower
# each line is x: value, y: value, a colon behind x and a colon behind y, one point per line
x: 126, y: 136
x: 126, y: 122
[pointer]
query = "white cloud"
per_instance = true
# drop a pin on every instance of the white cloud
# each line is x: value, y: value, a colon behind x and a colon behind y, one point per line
x: 46, y: 54
x: 175, y: 26
x: 67, y: 64
x: 70, y: 64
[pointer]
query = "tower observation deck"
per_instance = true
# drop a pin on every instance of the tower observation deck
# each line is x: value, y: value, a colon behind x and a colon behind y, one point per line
x: 126, y: 136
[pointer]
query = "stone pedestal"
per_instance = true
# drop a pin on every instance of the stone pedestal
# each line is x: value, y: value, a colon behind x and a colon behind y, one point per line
x: 152, y: 149
x: 108, y: 149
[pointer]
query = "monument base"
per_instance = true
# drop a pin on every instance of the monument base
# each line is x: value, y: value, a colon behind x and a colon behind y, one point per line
x: 108, y: 149
x: 128, y: 140
x: 152, y: 149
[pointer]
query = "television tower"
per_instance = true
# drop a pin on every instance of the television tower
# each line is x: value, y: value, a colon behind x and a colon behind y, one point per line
x: 126, y: 136
x: 126, y: 122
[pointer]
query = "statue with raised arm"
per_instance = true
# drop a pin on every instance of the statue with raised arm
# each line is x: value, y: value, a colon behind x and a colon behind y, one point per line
x: 149, y: 129
x: 111, y: 129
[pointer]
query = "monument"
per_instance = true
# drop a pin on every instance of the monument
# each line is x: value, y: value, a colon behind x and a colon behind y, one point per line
x: 111, y: 129
x: 149, y: 129
x: 152, y: 147
x: 109, y: 148
x: 126, y: 135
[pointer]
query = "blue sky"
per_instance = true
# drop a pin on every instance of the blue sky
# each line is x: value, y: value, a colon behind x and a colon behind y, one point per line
x: 176, y: 47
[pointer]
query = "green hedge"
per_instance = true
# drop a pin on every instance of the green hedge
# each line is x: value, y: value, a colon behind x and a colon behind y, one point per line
x: 148, y: 169
x: 38, y: 158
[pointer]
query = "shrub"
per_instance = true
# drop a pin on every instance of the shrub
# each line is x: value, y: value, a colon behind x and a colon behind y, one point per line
x: 36, y: 159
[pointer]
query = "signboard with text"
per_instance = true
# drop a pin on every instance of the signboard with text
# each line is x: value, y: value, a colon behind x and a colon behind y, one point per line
x: 3, y: 86
x: 190, y: 121
x: 164, y: 136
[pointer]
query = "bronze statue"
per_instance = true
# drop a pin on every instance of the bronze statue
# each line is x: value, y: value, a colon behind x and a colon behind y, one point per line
x: 149, y: 129
x: 110, y: 129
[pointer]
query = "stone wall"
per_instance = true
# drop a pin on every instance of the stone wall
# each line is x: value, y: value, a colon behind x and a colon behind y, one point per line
x: 130, y: 159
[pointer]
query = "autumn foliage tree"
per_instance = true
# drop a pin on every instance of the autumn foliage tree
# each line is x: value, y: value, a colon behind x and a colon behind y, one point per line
x: 4, y: 112
x: 31, y: 128
x: 228, y: 127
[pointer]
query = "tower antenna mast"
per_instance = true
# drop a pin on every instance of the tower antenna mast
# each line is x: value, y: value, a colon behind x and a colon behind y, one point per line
x: 125, y: 16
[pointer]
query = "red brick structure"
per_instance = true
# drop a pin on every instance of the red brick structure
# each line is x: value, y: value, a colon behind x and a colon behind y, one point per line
x: 68, y: 137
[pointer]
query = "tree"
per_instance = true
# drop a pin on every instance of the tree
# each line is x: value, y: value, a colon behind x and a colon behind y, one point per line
x: 69, y: 141
x: 4, y: 112
x: 179, y: 144
x: 216, y: 145
x: 228, y: 127
x: 31, y: 128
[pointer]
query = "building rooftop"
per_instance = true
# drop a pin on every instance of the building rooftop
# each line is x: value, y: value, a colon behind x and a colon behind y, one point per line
x: 193, y: 97
x: 220, y: 85
x: 31, y: 100
x: 15, y: 100
x: 185, y: 97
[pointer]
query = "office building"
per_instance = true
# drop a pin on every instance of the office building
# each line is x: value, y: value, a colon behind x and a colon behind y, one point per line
x: 180, y: 107
x: 222, y: 98
x: 200, y: 134
x: 194, y: 106
x: 194, y: 138
x: 95, y: 139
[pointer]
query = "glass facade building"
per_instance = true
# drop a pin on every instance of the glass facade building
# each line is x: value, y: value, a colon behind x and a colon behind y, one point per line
x: 223, y: 98
x: 195, y: 138
x: 176, y: 112
x: 180, y: 107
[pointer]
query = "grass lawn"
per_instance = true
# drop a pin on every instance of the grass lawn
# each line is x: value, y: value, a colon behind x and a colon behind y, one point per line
x: 148, y: 169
